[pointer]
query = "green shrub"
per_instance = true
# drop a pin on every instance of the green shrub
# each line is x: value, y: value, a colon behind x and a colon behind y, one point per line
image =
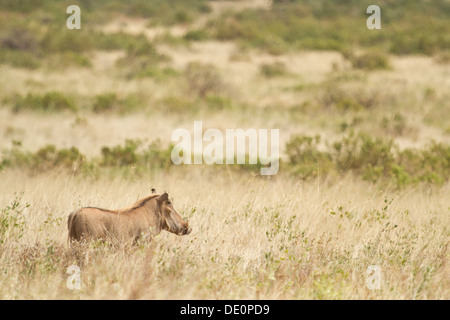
x: 121, y: 155
x: 217, y: 102
x: 370, y: 60
x: 196, y: 35
x: 165, y: 12
x: 142, y: 58
x: 21, y: 5
x: 66, y: 59
x: 395, y: 125
x: 19, y: 47
x: 49, y: 157
x: 275, y: 69
x: 12, y: 221
x: 430, y: 164
x: 306, y: 158
x: 157, y: 73
x: 204, y: 79
x: 117, y: 41
x: 105, y: 102
x: 348, y: 97
x: 373, y: 159
x: 51, y: 101
x: 19, y: 39
x: 44, y: 159
x: 177, y: 104
x: 342, y: 100
x: 59, y: 40
x: 336, y: 25
x: 247, y: 166
x: 182, y: 16
x: 23, y: 47
x: 401, y: 177
x: 370, y: 158
x: 141, y: 47
x: 110, y: 102
x: 154, y: 156
x: 19, y: 59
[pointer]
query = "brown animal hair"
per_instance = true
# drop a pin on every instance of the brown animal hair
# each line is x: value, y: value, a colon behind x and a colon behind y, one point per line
x: 148, y: 216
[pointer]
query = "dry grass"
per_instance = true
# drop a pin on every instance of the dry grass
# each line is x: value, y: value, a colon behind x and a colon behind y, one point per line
x: 251, y: 239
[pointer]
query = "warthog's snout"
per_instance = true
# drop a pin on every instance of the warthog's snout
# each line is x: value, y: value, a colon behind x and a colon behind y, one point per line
x: 186, y: 229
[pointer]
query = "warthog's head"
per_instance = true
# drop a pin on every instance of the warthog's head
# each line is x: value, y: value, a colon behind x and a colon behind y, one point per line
x: 170, y: 218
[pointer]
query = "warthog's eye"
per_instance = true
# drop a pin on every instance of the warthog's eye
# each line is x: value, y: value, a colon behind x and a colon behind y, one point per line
x: 168, y: 202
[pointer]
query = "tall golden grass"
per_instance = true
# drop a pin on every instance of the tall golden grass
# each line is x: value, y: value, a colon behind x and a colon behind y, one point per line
x: 252, y: 238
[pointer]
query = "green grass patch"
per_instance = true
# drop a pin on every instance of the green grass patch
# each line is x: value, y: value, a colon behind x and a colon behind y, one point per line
x: 142, y: 59
x: 159, y: 12
x: 370, y: 60
x: 52, y: 101
x: 339, y: 25
x: 44, y: 159
x: 273, y: 70
x: 112, y: 103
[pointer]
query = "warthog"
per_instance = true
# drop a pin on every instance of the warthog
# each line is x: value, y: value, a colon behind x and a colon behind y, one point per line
x: 147, y: 217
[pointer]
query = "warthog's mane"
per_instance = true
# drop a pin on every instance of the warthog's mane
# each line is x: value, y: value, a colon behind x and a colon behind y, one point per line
x: 139, y: 204
x: 143, y: 202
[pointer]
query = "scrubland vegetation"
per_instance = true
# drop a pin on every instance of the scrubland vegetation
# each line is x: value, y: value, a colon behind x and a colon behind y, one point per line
x: 86, y: 118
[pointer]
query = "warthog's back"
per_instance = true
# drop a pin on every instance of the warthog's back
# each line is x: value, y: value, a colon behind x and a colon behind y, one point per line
x: 95, y: 223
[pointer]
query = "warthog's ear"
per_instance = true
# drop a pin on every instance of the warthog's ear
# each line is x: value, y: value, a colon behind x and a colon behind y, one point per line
x: 163, y: 197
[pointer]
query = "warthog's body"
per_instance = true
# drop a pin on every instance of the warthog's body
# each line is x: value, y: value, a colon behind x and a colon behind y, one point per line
x: 146, y: 217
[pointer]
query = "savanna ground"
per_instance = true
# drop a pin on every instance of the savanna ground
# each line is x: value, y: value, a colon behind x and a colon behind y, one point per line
x: 86, y: 118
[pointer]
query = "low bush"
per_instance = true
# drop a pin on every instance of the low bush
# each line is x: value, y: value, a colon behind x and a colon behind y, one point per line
x: 19, y: 59
x: 364, y: 155
x: 19, y: 39
x: 19, y: 47
x: 305, y: 157
x: 351, y: 97
x: 272, y: 70
x: 373, y: 159
x: 52, y: 101
x: 12, y: 220
x: 177, y: 104
x: 218, y: 102
x: 133, y: 153
x: 370, y: 60
x: 49, y: 157
x: 196, y: 35
x: 121, y: 155
x: 204, y: 79
x: 430, y: 164
x: 21, y: 5
x: 106, y: 102
x: 337, y: 25
x: 395, y: 125
x: 44, y: 159
x: 142, y: 59
x: 60, y: 40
